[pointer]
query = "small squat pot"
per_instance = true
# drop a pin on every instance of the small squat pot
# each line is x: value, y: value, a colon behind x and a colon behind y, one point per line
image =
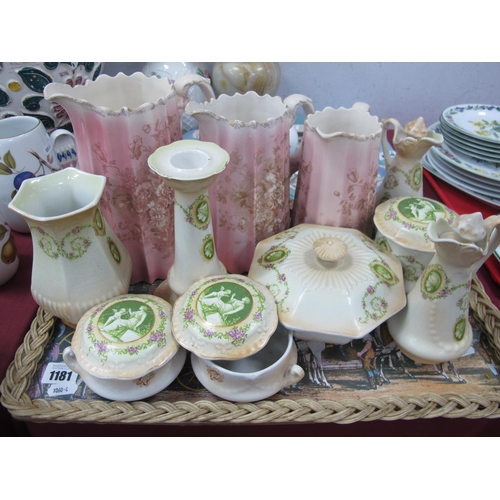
x: 401, y: 224
x: 124, y: 349
x: 256, y: 377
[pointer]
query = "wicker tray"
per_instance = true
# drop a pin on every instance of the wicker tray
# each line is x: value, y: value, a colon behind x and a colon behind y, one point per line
x: 327, y: 404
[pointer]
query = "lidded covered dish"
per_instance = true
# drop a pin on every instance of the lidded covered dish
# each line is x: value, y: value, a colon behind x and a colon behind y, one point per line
x: 331, y: 284
x: 123, y: 348
x: 224, y: 317
x: 401, y: 224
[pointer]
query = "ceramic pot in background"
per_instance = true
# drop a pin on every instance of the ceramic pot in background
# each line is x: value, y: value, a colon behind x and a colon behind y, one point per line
x: 26, y: 152
x: 174, y: 70
x: 22, y: 85
x: 241, y: 77
x: 9, y: 259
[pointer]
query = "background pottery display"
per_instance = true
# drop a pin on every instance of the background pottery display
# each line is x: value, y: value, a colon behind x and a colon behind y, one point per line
x: 257, y: 377
x: 189, y: 168
x: 404, y: 174
x: 77, y: 259
x: 26, y: 151
x: 401, y: 225
x: 22, y: 85
x: 434, y: 326
x: 240, y: 77
x: 174, y: 70
x: 9, y: 259
x: 331, y: 285
x: 118, y: 123
x: 337, y: 179
x: 251, y: 199
x: 123, y: 348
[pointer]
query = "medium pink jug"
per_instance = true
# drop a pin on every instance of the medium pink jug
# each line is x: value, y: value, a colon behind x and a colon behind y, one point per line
x: 251, y: 199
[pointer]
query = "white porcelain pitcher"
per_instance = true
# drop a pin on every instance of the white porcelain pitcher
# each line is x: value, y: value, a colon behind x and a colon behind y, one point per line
x: 434, y: 327
x: 404, y: 175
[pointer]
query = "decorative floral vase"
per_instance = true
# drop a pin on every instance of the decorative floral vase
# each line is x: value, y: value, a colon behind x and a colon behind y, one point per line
x: 404, y: 172
x: 118, y: 123
x: 77, y: 259
x: 232, y: 77
x: 189, y: 168
x: 434, y: 327
x: 337, y: 179
x: 251, y: 199
x: 22, y: 85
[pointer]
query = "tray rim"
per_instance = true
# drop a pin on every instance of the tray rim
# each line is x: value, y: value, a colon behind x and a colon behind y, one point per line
x: 14, y: 395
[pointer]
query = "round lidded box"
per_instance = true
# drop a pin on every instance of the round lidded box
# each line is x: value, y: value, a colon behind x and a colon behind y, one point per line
x: 125, y: 340
x: 402, y: 229
x: 224, y: 317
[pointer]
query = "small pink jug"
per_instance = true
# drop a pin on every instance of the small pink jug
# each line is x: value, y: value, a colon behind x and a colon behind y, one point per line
x: 338, y: 176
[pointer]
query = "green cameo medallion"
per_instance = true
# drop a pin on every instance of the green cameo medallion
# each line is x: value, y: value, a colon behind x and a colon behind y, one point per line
x: 224, y: 304
x: 433, y: 281
x: 201, y: 211
x: 382, y: 271
x: 460, y: 328
x: 384, y: 243
x: 420, y: 210
x: 208, y: 247
x: 114, y: 250
x: 275, y: 255
x: 126, y: 321
x: 416, y: 177
x: 99, y: 226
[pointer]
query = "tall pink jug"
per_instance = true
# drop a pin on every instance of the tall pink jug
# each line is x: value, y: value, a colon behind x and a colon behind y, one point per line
x: 337, y: 179
x: 118, y: 123
x: 251, y: 199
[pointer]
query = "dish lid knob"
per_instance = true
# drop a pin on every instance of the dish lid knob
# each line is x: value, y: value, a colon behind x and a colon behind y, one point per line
x: 330, y: 249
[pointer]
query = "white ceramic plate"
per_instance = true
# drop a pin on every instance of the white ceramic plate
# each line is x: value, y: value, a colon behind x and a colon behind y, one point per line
x: 467, y: 142
x: 460, y: 180
x: 481, y: 168
x: 478, y: 183
x: 481, y: 121
x: 485, y: 199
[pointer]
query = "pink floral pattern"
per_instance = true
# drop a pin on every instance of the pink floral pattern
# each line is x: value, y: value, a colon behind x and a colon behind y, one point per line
x: 136, y: 202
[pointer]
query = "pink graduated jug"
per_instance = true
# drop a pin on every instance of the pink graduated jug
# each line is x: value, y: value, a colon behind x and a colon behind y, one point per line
x: 118, y: 123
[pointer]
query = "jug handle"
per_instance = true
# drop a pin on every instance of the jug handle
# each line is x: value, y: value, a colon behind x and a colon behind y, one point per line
x: 185, y: 82
x: 386, y: 123
x: 292, y: 102
x: 60, y: 136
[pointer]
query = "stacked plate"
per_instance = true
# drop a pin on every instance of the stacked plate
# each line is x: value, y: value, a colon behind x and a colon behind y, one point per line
x: 469, y: 158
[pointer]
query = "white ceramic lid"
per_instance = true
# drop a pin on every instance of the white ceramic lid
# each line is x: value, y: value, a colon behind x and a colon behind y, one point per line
x: 125, y: 337
x: 332, y: 281
x: 404, y: 220
x: 224, y: 317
